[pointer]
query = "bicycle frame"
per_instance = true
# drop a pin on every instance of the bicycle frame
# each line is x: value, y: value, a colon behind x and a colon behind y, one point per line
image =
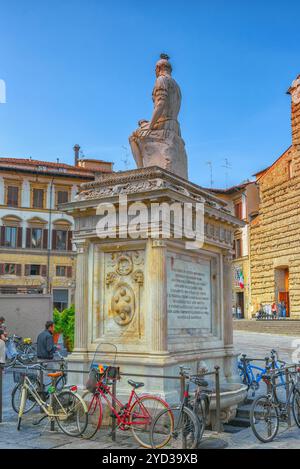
x: 123, y: 419
x: 248, y: 370
x: 47, y: 408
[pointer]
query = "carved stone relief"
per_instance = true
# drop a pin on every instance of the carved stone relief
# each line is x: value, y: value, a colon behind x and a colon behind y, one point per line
x: 124, y: 278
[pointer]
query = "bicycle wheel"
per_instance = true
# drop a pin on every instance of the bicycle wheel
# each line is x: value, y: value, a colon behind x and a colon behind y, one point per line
x: 60, y: 383
x: 175, y: 428
x: 201, y: 410
x: 70, y: 413
x: 142, y: 414
x: 264, y: 419
x: 296, y: 406
x: 95, y: 413
x: 16, y: 396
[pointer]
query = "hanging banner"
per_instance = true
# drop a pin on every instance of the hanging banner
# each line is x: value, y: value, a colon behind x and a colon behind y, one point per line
x: 239, y: 277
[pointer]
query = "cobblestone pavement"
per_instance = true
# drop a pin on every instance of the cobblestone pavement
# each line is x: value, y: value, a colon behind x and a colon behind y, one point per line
x: 41, y: 437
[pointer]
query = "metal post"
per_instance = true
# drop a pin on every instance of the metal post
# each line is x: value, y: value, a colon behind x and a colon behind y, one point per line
x: 113, y: 423
x: 1, y: 393
x: 218, y: 400
x: 182, y: 386
x: 41, y: 384
x: 287, y: 391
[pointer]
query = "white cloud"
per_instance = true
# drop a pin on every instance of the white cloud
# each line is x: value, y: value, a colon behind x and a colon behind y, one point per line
x: 2, y: 92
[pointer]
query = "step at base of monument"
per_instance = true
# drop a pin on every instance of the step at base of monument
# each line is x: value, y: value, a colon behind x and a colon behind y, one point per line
x: 282, y: 327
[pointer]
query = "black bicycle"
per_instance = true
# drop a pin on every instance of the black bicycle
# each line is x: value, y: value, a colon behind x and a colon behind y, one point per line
x: 269, y: 410
x: 182, y: 426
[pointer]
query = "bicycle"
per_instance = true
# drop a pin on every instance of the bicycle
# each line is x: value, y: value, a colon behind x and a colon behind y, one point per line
x: 41, y: 390
x: 247, y: 370
x: 66, y: 407
x: 136, y: 414
x: 188, y: 420
x: 19, y: 350
x: 268, y: 411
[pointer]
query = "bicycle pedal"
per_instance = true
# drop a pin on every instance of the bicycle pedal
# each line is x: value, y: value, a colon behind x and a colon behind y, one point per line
x: 37, y: 422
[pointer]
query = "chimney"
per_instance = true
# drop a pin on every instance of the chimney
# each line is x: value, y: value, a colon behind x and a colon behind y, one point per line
x: 294, y: 91
x: 76, y: 149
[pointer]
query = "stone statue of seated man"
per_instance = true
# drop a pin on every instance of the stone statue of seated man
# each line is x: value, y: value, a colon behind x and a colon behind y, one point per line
x: 159, y: 142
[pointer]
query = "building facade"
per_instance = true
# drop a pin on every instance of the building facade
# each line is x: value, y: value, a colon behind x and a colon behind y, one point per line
x: 242, y: 201
x: 275, y: 233
x: 36, y: 251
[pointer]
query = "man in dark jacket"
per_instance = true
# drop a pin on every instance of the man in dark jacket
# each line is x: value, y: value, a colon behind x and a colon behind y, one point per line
x: 45, y: 343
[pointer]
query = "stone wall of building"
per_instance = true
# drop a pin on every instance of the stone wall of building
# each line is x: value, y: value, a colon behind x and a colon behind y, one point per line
x: 275, y: 233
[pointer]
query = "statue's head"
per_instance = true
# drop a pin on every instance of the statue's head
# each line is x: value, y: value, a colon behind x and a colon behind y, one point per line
x: 163, y: 66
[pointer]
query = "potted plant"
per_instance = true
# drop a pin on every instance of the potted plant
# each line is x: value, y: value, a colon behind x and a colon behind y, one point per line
x: 57, y: 325
x: 68, y: 327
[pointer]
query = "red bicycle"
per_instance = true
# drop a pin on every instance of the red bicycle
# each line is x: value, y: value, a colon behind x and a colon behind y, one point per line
x: 137, y: 414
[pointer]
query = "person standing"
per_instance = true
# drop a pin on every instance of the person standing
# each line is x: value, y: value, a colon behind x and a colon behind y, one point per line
x: 45, y: 343
x: 279, y: 312
x: 2, y: 347
x: 283, y: 309
x: 274, y: 310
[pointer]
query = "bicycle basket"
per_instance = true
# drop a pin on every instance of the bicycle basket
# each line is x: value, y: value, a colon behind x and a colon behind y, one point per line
x: 19, y: 376
x: 91, y: 384
x: 105, y: 355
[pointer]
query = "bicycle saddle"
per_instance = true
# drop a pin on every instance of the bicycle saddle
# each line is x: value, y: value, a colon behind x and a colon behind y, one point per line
x: 57, y: 374
x: 134, y: 384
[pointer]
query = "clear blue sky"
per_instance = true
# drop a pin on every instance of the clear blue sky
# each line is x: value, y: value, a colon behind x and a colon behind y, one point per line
x: 82, y: 71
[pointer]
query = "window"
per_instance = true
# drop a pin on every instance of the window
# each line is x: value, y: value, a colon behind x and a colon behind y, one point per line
x: 62, y: 197
x: 63, y: 271
x: 61, y: 240
x: 238, y: 248
x: 60, y: 299
x: 36, y: 238
x: 10, y: 237
x: 38, y: 198
x: 35, y: 269
x: 238, y: 210
x: 12, y: 196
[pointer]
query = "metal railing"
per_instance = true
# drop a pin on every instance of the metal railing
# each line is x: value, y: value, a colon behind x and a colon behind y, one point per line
x: 181, y: 378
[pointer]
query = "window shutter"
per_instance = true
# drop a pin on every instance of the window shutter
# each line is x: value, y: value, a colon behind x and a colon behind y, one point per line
x: 18, y: 269
x: 1, y: 269
x: 45, y: 239
x: 43, y: 271
x: 19, y: 237
x: 27, y: 269
x: 28, y: 237
x: 2, y: 236
x: 70, y: 236
x: 69, y: 271
x: 54, y: 239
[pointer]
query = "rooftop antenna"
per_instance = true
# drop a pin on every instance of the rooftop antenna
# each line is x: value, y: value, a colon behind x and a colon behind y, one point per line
x: 227, y: 167
x: 209, y: 163
x: 125, y: 159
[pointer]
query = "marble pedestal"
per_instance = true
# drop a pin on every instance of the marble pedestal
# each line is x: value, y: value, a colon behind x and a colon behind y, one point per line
x: 160, y: 303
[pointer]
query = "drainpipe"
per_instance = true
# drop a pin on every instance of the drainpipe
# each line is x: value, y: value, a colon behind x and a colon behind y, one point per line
x: 49, y: 239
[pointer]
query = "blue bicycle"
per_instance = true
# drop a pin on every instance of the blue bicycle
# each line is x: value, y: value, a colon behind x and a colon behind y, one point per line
x: 251, y: 375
